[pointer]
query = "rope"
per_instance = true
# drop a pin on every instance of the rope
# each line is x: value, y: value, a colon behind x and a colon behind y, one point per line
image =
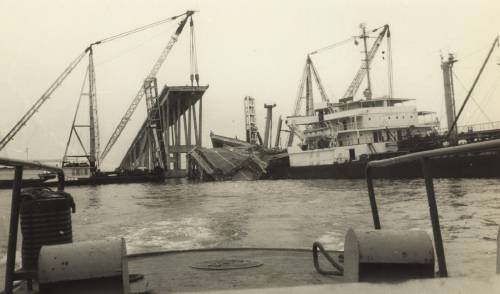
x: 130, y: 49
x: 473, y: 99
x: 136, y: 30
x: 193, y: 57
x: 332, y: 45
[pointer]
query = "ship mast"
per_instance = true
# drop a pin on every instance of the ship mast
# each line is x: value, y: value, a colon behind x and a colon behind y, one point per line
x: 449, y: 96
x: 93, y: 120
x: 496, y: 42
x: 364, y: 36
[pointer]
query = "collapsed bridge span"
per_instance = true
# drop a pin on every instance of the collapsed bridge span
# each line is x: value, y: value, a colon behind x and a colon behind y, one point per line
x: 233, y: 159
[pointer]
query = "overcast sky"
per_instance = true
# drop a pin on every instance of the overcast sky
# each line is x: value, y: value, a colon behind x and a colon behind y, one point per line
x: 255, y: 48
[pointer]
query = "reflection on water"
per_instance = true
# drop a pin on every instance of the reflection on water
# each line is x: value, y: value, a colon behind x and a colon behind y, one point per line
x: 287, y: 213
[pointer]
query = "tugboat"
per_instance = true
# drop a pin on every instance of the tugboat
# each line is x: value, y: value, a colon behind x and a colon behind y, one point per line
x: 337, y: 140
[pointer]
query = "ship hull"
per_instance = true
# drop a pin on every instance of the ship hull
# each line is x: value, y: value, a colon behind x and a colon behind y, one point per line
x: 471, y: 165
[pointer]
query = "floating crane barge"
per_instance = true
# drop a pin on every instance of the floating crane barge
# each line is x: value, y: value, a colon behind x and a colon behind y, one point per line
x: 156, y: 150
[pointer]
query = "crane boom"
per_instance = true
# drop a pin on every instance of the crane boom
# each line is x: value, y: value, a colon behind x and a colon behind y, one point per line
x: 321, y: 89
x: 152, y: 74
x: 26, y: 117
x: 362, y: 71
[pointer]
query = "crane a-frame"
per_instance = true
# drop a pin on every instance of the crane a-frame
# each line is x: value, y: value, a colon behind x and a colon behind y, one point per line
x: 310, y: 73
x: 93, y: 154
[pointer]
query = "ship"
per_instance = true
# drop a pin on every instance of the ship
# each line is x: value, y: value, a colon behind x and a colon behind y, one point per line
x: 377, y: 260
x: 337, y: 140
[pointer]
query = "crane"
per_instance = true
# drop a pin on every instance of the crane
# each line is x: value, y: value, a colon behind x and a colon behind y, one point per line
x: 152, y: 74
x: 364, y: 69
x: 45, y: 96
x: 309, y: 73
x: 496, y: 43
x: 66, y: 72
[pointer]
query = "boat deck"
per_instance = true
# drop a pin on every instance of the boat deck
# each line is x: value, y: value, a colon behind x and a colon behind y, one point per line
x: 174, y: 271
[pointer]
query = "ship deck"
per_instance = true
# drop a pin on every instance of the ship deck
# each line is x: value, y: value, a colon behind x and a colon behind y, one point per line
x: 270, y: 268
x: 284, y: 271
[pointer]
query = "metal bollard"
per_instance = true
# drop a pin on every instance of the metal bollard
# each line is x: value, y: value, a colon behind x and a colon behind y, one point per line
x: 84, y: 267
x: 387, y: 256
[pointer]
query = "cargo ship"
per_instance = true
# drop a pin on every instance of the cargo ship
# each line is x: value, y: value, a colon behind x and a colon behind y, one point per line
x: 337, y: 140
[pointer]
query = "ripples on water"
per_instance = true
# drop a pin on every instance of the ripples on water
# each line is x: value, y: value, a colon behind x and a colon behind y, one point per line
x: 285, y: 213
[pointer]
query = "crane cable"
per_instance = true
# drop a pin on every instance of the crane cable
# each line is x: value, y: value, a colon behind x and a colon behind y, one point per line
x: 193, y: 57
x: 473, y: 100
x: 152, y: 74
x: 332, y: 46
x: 136, y: 30
x: 46, y: 95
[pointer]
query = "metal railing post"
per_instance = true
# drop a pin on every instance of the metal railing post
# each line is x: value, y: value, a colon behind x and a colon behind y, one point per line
x: 373, y: 201
x: 60, y: 181
x: 14, y: 220
x: 436, y: 229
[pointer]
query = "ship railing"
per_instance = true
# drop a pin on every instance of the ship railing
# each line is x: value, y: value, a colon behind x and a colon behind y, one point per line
x: 480, y: 127
x: 424, y: 158
x: 19, y: 166
x: 348, y: 126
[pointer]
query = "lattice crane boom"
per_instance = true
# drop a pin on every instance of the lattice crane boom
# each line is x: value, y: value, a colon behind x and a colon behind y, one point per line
x: 138, y: 97
x: 45, y: 96
x: 363, y: 70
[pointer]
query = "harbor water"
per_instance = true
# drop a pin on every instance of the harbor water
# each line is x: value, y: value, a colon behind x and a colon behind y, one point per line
x: 283, y: 213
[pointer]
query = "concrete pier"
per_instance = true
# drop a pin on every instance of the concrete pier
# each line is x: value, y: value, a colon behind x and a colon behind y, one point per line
x: 177, y: 129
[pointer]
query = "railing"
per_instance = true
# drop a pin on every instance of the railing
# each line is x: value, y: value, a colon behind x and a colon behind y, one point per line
x: 475, y: 127
x: 19, y: 165
x: 424, y: 157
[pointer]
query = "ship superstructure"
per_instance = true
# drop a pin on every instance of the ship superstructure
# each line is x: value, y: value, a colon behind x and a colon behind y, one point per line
x: 353, y: 129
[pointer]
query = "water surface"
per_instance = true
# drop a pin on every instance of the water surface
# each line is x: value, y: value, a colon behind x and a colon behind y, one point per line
x: 283, y: 213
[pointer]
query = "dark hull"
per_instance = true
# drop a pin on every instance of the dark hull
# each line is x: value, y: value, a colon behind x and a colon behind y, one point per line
x: 95, y: 180
x: 471, y: 165
x: 7, y: 184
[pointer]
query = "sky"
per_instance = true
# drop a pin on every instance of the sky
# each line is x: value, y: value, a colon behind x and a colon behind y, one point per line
x: 245, y: 48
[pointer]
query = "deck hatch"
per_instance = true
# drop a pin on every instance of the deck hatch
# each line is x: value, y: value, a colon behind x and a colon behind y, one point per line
x: 226, y: 264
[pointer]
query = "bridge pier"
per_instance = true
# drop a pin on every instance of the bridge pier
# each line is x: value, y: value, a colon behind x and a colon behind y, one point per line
x: 180, y: 111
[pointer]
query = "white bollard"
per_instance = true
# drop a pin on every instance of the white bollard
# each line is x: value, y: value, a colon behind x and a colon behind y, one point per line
x: 386, y: 255
x: 84, y: 267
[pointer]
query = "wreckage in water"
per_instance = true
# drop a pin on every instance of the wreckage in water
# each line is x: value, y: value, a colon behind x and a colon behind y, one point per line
x: 234, y: 159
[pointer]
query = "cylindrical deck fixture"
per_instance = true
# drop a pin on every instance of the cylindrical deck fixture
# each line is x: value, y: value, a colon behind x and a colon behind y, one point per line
x: 387, y: 256
x: 45, y: 220
x: 84, y: 267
